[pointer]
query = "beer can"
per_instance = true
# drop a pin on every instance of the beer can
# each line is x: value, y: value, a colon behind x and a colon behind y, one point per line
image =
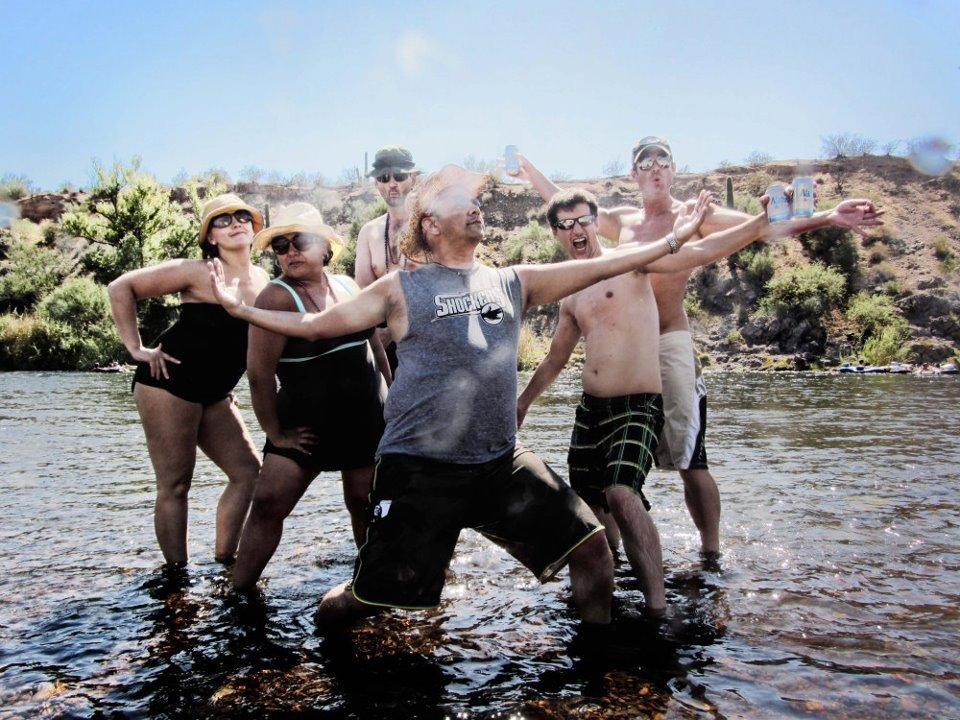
x: 778, y: 210
x: 803, y: 202
x: 511, y: 163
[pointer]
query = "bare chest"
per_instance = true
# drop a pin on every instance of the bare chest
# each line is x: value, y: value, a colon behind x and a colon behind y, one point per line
x: 613, y: 303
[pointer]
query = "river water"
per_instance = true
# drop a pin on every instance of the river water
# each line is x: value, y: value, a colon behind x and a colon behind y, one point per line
x: 836, y: 594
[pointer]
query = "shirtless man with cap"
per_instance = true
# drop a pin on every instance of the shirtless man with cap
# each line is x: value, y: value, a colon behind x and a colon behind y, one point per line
x: 620, y: 416
x: 681, y: 444
x: 448, y: 458
x: 378, y: 252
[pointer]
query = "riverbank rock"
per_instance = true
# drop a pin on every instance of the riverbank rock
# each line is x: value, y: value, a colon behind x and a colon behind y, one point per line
x: 45, y: 206
x: 789, y: 337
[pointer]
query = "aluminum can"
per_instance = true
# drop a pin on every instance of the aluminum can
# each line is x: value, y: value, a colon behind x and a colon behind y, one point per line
x: 803, y: 203
x: 511, y: 163
x: 778, y: 210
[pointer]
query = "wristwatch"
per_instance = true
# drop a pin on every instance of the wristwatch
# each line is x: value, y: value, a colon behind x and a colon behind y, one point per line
x: 672, y: 243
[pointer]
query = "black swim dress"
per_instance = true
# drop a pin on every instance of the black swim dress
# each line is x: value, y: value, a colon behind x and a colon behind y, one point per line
x: 211, y: 346
x: 333, y: 387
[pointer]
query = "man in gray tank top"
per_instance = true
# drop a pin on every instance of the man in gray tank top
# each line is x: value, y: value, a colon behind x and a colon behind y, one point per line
x: 448, y: 458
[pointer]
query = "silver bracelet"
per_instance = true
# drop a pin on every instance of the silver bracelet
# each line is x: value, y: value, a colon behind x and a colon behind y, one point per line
x: 672, y: 243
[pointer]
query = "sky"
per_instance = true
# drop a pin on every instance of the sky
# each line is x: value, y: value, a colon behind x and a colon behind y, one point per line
x: 310, y: 86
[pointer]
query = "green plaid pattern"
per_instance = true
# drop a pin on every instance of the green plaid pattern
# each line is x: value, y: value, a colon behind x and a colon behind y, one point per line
x: 613, y: 443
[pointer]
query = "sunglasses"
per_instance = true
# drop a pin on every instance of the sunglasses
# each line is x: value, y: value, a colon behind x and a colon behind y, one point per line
x: 301, y: 241
x: 225, y: 220
x: 663, y: 161
x: 398, y: 176
x: 568, y: 223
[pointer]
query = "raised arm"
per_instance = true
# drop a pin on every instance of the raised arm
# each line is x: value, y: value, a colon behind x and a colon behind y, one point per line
x: 174, y: 276
x: 609, y: 221
x: 546, y: 283
x: 565, y: 338
x: 367, y: 309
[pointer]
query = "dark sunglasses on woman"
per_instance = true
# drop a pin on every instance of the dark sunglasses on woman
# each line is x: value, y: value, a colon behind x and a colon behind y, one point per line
x: 301, y: 241
x: 222, y: 221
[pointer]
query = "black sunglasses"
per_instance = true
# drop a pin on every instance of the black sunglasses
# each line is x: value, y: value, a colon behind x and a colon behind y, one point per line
x: 568, y: 223
x: 222, y: 221
x: 398, y: 176
x: 301, y: 241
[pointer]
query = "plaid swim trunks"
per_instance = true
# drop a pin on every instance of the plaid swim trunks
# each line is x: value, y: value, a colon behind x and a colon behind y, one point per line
x: 613, y: 443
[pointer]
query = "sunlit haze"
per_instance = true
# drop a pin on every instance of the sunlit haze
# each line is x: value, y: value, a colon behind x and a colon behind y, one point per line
x: 309, y: 87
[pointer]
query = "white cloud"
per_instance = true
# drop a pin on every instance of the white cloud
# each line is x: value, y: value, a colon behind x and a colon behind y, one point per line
x: 413, y: 52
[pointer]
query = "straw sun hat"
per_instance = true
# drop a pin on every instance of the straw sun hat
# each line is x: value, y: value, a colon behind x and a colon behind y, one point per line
x: 226, y: 203
x: 299, y: 217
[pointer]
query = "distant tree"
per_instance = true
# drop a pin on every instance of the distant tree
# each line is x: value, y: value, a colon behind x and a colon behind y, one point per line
x: 349, y: 177
x: 890, y: 148
x: 180, y: 178
x: 213, y: 176
x: 758, y: 157
x: 683, y: 169
x: 845, y: 144
x: 480, y: 165
x: 614, y: 168
x: 252, y: 174
x: 724, y: 164
x: 560, y: 176
x: 15, y: 187
x: 129, y: 221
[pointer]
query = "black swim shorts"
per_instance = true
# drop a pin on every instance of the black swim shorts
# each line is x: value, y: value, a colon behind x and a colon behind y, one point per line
x: 613, y: 443
x: 419, y: 506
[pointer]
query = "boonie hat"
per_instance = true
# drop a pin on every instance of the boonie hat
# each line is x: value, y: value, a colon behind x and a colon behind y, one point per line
x: 392, y: 158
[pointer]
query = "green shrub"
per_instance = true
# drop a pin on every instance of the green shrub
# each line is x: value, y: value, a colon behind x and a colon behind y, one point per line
x: 869, y: 314
x: 892, y: 287
x: 80, y: 303
x: 533, y: 243
x: 691, y: 305
x: 834, y: 246
x: 941, y: 247
x: 363, y: 214
x: 33, y: 342
x: 889, y: 345
x: 734, y: 337
x: 30, y: 270
x: 130, y: 221
x: 15, y: 187
x: 531, y: 349
x: 756, y: 183
x: 804, y: 292
x: 748, y: 204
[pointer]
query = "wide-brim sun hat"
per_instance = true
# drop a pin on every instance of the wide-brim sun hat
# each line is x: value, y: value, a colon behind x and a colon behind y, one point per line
x: 299, y: 217
x: 226, y: 203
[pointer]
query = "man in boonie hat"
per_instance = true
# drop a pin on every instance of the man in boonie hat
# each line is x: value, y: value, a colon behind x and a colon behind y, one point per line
x: 223, y: 209
x: 299, y: 222
x: 395, y: 175
x: 449, y: 457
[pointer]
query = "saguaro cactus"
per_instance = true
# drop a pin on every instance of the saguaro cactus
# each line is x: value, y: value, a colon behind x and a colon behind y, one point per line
x: 729, y: 192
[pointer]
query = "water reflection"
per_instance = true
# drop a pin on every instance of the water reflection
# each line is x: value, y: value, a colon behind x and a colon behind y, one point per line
x: 836, y: 594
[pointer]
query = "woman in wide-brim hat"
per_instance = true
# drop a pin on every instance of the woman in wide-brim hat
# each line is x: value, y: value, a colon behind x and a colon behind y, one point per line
x: 328, y: 412
x: 184, y: 380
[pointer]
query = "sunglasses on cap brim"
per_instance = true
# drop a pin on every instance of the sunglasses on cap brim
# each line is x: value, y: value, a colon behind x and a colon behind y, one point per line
x: 226, y: 219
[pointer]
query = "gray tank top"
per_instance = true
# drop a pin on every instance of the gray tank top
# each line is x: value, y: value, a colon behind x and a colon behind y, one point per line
x: 454, y: 397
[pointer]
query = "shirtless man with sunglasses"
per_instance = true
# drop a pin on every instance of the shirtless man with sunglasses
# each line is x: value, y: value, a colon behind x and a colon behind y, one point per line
x: 378, y: 251
x: 681, y: 444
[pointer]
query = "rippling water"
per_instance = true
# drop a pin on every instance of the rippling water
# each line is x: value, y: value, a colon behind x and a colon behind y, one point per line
x: 837, y: 593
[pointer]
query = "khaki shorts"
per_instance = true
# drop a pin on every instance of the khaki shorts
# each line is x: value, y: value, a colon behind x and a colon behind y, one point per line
x: 683, y: 440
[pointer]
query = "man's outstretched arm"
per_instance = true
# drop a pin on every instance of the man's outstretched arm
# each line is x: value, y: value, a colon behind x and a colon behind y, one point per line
x: 565, y: 338
x: 365, y: 310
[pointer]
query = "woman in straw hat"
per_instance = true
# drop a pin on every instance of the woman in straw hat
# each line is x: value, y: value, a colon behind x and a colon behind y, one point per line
x: 183, y: 384
x: 328, y: 412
